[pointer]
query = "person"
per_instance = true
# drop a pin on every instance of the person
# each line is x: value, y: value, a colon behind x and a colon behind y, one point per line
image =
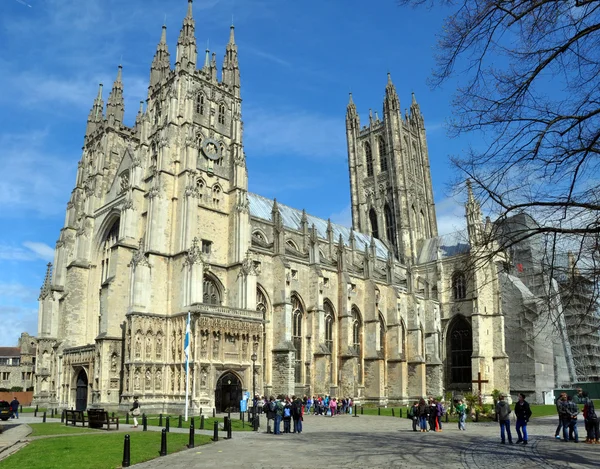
x: 461, y: 410
x: 413, y: 414
x: 423, y: 413
x: 308, y: 404
x: 297, y: 413
x: 270, y: 409
x: 135, y: 411
x: 333, y: 406
x: 523, y: 413
x: 432, y: 414
x: 571, y: 411
x: 560, y: 416
x: 350, y: 405
x: 592, y: 422
x: 287, y: 416
x: 14, y: 407
x: 503, y: 414
x: 278, y: 414
x: 440, y: 411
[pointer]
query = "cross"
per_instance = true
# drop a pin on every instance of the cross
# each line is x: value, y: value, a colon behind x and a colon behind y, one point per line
x: 479, y: 382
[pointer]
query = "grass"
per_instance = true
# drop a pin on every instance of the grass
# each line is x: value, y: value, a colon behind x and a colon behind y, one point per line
x: 44, y: 429
x: 93, y: 451
x: 236, y: 424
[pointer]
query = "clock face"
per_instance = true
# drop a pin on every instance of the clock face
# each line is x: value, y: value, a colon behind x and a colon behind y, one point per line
x: 210, y: 148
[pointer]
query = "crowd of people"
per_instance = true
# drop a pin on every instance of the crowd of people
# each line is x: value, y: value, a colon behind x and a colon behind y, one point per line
x: 568, y: 412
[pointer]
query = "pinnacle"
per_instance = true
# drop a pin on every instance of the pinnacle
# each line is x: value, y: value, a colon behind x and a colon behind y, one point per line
x: 232, y: 34
x: 189, y: 10
x: 163, y: 36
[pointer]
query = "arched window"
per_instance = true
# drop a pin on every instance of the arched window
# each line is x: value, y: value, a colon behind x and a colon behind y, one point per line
x: 390, y: 226
x: 297, y: 317
x: 329, y: 322
x: 216, y: 190
x: 382, y: 155
x: 423, y: 224
x: 292, y: 244
x: 211, y: 293
x: 357, y: 339
x: 459, y: 286
x: 109, y: 241
x: 261, y: 301
x: 373, y: 220
x: 221, y: 116
x: 369, y: 159
x: 200, y: 104
x: 405, y: 157
x: 402, y: 339
x: 157, y: 113
x: 258, y: 235
x: 382, y: 334
x: 460, y: 345
x: 200, y: 185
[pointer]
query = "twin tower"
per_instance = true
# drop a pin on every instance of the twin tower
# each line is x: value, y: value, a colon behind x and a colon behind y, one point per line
x: 390, y: 179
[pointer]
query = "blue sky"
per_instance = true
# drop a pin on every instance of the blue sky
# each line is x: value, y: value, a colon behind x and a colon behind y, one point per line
x: 298, y: 61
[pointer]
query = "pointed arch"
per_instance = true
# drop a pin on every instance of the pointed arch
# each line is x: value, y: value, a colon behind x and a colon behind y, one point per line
x: 390, y: 225
x: 373, y: 220
x: 459, y: 285
x: 212, y: 294
x: 221, y: 113
x: 382, y: 335
x: 383, y: 163
x: 357, y: 338
x: 329, y: 324
x: 109, y: 240
x: 200, y: 101
x: 369, y: 159
x: 297, y: 337
x: 262, y: 300
x: 459, y: 343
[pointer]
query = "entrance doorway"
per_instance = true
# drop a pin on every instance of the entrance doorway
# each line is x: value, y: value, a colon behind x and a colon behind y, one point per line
x: 228, y: 393
x: 82, y: 391
x: 460, y: 350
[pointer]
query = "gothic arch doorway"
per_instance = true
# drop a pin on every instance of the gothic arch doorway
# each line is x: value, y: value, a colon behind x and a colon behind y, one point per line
x: 228, y: 393
x: 81, y: 394
x: 459, y: 341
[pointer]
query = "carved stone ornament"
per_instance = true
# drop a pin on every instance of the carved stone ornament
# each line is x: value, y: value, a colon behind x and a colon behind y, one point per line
x: 192, y: 191
x: 248, y: 266
x: 164, y: 142
x: 194, y: 254
x: 210, y: 149
x: 139, y: 256
x: 128, y: 205
x: 154, y: 192
x: 243, y: 204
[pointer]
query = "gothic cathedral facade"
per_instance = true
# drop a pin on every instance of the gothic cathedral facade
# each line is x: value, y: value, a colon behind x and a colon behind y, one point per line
x: 161, y: 224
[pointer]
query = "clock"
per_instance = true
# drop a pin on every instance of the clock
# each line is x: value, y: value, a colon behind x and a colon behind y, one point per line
x: 210, y: 148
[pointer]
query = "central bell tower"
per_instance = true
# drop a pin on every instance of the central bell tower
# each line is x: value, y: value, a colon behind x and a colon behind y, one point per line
x: 390, y: 179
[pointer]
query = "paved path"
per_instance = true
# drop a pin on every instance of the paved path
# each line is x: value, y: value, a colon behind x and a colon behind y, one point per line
x: 385, y: 442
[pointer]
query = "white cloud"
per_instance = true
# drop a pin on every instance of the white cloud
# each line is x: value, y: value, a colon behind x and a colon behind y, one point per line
x: 450, y: 215
x: 285, y: 133
x: 42, y: 250
x: 17, y: 319
x: 31, y: 251
x: 343, y: 217
x: 17, y: 291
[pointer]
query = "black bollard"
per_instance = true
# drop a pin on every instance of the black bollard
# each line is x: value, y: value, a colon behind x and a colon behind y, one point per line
x: 191, y: 442
x: 180, y: 423
x: 477, y: 416
x: 127, y: 418
x: 200, y: 411
x: 168, y: 424
x: 355, y: 412
x: 35, y: 411
x: 362, y: 410
x: 62, y: 416
x: 227, y: 425
x: 44, y: 417
x: 126, y: 452
x: 256, y: 422
x: 160, y: 420
x: 21, y: 409
x: 378, y: 410
x: 400, y: 413
x: 144, y: 423
x: 214, y: 412
x: 163, y: 442
x: 216, y: 431
x: 202, y: 422
x: 241, y: 416
x: 446, y: 417
x: 393, y: 415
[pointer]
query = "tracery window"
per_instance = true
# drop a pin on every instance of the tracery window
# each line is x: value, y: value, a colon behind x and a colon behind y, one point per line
x: 297, y: 316
x: 461, y: 348
x: 211, y: 293
x: 390, y: 226
x: 200, y: 104
x: 382, y: 334
x: 109, y: 241
x: 357, y: 339
x: 329, y: 322
x: 261, y: 301
x: 382, y: 155
x: 369, y: 159
x: 459, y: 286
x: 221, y: 114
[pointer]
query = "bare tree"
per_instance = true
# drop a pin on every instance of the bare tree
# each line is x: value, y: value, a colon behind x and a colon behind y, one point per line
x: 529, y: 74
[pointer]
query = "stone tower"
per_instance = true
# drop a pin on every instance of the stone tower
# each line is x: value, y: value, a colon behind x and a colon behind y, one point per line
x: 390, y: 180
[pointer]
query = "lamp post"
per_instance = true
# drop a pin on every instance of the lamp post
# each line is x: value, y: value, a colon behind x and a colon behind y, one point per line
x: 254, y: 401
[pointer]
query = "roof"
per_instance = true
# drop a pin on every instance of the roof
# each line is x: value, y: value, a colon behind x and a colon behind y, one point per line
x: 448, y: 245
x: 10, y: 352
x: 261, y: 207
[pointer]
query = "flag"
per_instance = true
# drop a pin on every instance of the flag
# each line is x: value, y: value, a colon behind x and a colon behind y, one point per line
x: 186, y: 344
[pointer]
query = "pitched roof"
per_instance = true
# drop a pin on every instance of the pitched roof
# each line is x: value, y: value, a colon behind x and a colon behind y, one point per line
x: 448, y: 245
x: 10, y: 352
x: 260, y: 207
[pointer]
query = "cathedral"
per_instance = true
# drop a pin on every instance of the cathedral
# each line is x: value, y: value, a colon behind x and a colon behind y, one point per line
x: 160, y: 224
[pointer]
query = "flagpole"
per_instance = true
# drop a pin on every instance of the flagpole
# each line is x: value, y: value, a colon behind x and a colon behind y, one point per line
x: 187, y: 365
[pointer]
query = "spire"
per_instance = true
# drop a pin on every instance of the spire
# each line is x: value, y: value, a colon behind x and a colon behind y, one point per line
x: 231, y: 71
x: 391, y: 102
x: 161, y: 64
x: 207, y: 59
x: 140, y: 114
x: 96, y: 113
x: 351, y: 114
x: 187, y: 54
x: 474, y: 216
x: 415, y: 110
x: 46, y: 286
x: 115, y: 107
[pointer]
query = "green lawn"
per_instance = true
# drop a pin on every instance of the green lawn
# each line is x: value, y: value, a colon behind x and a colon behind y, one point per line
x: 31, y: 410
x: 93, y: 451
x: 43, y: 429
x: 236, y: 424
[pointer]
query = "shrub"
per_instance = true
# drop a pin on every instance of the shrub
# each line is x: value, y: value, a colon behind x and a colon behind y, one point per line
x: 16, y: 389
x: 4, y: 390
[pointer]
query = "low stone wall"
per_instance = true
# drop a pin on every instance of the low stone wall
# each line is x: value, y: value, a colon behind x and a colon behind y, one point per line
x: 24, y: 397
